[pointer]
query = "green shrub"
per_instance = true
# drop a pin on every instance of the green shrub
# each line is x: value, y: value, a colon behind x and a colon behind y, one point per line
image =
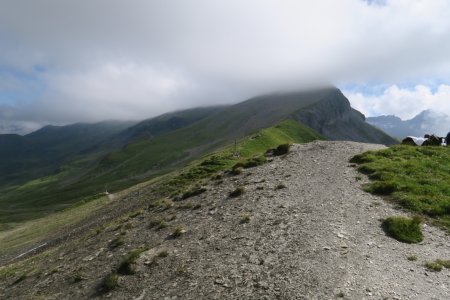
x: 404, y: 229
x: 412, y: 258
x: 245, y: 218
x: 282, y: 149
x: 237, y: 192
x: 126, y: 267
x: 78, y: 276
x: 237, y: 171
x: 179, y: 230
x: 110, y: 282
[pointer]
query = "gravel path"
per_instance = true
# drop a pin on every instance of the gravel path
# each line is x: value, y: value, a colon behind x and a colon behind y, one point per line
x: 317, y: 238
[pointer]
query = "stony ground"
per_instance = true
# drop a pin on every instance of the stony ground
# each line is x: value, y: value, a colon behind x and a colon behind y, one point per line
x: 303, y: 229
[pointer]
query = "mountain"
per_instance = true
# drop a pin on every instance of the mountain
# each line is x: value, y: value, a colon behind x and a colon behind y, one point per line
x: 42, y: 152
x: 426, y: 122
x: 58, y: 166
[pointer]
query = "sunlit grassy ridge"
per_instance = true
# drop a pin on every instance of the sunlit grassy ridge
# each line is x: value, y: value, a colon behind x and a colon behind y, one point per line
x: 418, y: 178
x: 288, y: 131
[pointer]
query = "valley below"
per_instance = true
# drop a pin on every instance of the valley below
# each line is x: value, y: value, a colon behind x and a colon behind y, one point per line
x: 297, y: 227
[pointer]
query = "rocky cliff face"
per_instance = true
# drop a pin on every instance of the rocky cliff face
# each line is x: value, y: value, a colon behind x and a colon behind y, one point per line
x: 334, y: 118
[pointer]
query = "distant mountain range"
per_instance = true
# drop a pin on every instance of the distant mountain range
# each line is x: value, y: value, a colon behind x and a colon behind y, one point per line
x: 59, y: 165
x: 426, y: 122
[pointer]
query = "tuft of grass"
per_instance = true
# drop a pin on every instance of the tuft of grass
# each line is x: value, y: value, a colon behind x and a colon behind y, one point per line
x: 245, y: 219
x: 78, y: 276
x: 179, y: 231
x: 127, y: 267
x: 117, y: 242
x: 162, y: 224
x: 251, y: 162
x: 237, y: 192
x: 417, y: 178
x: 110, y: 282
x: 195, y: 191
x: 161, y: 204
x: 412, y: 258
x: 404, y: 229
x: 433, y: 266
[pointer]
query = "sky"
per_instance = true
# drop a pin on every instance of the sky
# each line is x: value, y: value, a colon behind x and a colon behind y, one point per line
x: 85, y: 61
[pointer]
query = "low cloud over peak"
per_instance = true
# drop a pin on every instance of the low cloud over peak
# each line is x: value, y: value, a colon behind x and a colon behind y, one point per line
x: 65, y: 61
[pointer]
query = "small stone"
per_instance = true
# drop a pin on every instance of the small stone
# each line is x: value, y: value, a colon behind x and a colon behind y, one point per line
x: 326, y: 248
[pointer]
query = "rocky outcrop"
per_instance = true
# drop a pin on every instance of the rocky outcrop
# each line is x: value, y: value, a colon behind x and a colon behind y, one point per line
x: 334, y: 118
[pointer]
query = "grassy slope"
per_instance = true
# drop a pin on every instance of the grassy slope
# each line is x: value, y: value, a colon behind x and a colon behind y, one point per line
x: 177, y: 182
x: 418, y: 178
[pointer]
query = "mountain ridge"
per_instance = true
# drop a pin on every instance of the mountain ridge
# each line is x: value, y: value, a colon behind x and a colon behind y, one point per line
x: 426, y: 122
x: 159, y: 145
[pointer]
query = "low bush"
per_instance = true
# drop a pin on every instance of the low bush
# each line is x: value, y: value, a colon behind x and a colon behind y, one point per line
x: 237, y: 192
x: 404, y: 229
x: 110, y: 282
x: 127, y: 267
x: 179, y: 230
x: 282, y: 149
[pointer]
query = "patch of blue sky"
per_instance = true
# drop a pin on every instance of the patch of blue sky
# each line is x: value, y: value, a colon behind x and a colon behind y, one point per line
x: 378, y: 88
x: 18, y: 87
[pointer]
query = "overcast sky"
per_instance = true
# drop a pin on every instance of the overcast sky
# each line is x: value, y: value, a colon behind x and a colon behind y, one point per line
x: 68, y: 61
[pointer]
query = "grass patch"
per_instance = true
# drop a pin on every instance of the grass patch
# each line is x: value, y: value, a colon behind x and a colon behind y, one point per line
x: 237, y: 192
x: 117, y: 242
x: 127, y: 266
x: 245, y: 218
x: 418, y: 178
x: 412, y: 258
x: 195, y: 191
x: 179, y: 231
x: 161, y: 204
x: 437, y: 265
x: 110, y: 283
x: 404, y: 229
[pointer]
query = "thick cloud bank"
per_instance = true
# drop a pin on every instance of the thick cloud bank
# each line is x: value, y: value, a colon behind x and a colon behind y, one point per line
x: 66, y: 61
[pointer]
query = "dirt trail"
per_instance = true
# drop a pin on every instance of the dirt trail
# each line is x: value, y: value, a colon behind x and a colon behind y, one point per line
x: 317, y: 238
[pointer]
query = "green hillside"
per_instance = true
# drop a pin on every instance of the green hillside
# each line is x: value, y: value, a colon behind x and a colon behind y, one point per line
x: 39, y: 197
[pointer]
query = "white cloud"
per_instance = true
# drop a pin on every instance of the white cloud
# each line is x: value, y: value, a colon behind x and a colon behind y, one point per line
x: 403, y: 102
x: 134, y: 59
